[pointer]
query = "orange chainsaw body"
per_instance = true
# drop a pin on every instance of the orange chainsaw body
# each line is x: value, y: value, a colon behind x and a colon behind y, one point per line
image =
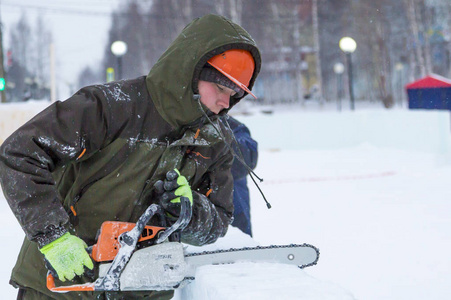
x: 108, y: 245
x: 136, y: 235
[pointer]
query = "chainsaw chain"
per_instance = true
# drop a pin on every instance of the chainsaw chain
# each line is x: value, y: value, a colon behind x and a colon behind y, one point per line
x: 259, y: 248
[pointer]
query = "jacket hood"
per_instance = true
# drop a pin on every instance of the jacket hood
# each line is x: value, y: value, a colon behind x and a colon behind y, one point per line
x: 172, y: 81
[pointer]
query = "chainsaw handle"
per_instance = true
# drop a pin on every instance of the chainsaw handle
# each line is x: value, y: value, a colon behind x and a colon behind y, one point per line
x: 71, y: 288
x: 186, y: 212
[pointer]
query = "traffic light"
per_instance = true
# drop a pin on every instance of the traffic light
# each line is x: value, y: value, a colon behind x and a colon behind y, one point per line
x: 109, y: 74
x: 9, y: 60
x: 2, y: 84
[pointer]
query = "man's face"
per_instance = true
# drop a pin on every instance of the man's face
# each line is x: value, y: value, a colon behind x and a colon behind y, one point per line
x: 214, y: 96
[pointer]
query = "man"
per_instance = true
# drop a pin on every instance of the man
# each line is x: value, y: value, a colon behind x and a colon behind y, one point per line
x: 247, y: 148
x: 97, y: 156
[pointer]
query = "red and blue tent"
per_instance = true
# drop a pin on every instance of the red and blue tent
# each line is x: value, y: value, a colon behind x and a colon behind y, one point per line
x: 430, y: 92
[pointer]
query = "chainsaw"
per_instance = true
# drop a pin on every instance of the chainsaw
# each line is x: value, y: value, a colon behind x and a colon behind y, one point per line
x: 137, y: 257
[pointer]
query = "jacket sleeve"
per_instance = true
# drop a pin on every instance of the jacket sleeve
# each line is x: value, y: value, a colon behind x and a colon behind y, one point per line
x: 60, y: 134
x: 245, y: 147
x: 212, y: 214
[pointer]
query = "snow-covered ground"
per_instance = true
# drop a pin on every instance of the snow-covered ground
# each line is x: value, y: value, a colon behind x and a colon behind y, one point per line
x: 369, y: 188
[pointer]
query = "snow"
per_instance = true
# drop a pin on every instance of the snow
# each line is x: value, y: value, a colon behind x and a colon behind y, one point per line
x: 260, y: 281
x: 369, y: 188
x: 251, y: 280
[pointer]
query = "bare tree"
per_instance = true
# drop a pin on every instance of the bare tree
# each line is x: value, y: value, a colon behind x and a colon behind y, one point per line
x: 132, y: 33
x: 424, y: 15
x: 374, y: 48
x: 236, y: 9
x: 317, y: 48
x: 447, y: 7
x: 182, y: 13
x: 413, y: 24
x: 21, y: 40
x: 220, y: 7
x: 21, y: 50
x: 43, y: 39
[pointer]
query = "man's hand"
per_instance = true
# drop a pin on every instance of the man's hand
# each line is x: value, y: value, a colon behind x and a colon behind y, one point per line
x: 67, y: 255
x: 171, y: 189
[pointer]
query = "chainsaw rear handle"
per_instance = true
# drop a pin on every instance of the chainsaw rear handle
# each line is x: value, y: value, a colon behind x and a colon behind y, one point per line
x: 128, y: 241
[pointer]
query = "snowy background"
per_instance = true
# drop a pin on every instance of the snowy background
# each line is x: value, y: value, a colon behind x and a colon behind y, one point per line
x: 369, y: 188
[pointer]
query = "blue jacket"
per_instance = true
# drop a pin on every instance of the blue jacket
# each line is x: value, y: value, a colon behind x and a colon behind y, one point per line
x: 249, y: 152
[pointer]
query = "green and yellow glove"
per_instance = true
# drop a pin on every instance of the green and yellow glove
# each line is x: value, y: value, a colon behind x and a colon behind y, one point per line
x: 171, y: 189
x: 67, y: 256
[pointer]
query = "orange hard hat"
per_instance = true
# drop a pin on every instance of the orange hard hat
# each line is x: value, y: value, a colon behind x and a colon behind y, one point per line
x: 237, y: 65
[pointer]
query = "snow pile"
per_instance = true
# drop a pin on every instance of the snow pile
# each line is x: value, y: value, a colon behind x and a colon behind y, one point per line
x: 260, y: 281
x: 14, y: 115
x: 247, y: 280
x: 331, y: 130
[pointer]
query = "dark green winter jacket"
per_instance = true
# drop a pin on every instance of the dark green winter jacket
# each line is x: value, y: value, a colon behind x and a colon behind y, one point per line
x: 97, y: 155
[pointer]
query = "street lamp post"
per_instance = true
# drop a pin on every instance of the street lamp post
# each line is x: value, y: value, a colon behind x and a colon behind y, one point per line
x: 348, y: 46
x: 119, y: 48
x: 399, y: 67
x: 339, y: 69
